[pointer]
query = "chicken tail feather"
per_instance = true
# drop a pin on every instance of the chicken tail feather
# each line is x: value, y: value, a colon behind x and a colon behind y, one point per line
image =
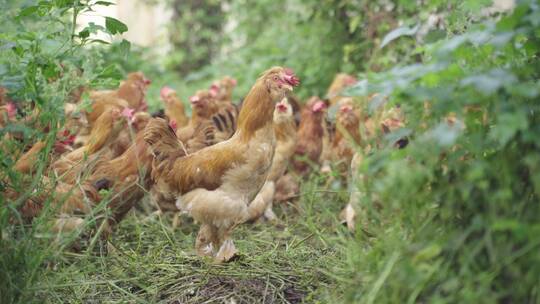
x: 161, y: 138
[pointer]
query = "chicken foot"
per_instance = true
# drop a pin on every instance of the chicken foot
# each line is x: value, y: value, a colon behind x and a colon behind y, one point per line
x: 206, y: 238
x: 227, y: 250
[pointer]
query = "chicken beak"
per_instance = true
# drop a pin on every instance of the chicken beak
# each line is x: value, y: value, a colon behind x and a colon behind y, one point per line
x: 288, y: 87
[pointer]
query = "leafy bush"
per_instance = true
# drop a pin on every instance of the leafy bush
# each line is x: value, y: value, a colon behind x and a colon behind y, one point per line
x: 455, y: 215
x: 42, y: 62
x: 451, y: 218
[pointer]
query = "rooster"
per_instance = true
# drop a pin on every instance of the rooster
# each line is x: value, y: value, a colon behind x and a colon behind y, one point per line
x: 215, y: 184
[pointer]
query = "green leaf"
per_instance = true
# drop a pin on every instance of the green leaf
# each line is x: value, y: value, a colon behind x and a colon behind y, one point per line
x: 63, y: 3
x: 488, y: 83
x: 84, y: 33
x: 396, y: 33
x: 28, y: 11
x: 427, y: 253
x: 115, y: 26
x: 104, y: 3
x: 125, y: 46
x: 99, y: 41
x: 508, y: 124
x: 444, y: 134
x: 475, y: 6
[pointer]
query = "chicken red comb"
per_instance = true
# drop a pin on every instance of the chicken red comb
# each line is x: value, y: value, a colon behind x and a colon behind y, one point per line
x: 234, y: 82
x: 350, y: 80
x: 281, y: 107
x: 318, y: 106
x: 345, y: 108
x: 291, y: 78
x: 214, y: 90
x: 69, y: 140
x: 128, y: 113
x: 165, y: 92
x: 194, y: 99
x: 172, y: 124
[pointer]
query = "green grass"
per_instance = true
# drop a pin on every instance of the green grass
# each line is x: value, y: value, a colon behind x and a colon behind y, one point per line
x: 146, y: 261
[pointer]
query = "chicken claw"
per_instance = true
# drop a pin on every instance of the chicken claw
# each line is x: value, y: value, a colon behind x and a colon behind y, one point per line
x: 226, y: 252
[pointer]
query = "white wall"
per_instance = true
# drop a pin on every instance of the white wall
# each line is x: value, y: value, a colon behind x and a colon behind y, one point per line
x: 146, y: 23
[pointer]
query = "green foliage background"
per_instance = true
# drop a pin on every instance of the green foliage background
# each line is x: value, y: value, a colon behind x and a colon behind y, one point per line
x: 453, y: 218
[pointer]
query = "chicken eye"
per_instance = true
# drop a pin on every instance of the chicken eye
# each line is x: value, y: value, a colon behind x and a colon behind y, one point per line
x: 276, y: 78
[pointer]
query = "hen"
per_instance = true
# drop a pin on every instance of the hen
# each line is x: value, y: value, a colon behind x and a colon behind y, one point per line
x: 174, y: 107
x: 340, y: 82
x: 126, y: 136
x: 215, y: 184
x: 106, y: 130
x: 310, y: 133
x: 224, y: 88
x: 130, y: 94
x: 203, y: 106
x: 285, y: 132
x: 347, y: 134
x: 391, y: 119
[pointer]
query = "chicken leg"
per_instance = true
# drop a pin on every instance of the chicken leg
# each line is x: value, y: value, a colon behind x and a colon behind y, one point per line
x: 227, y: 250
x: 206, y: 240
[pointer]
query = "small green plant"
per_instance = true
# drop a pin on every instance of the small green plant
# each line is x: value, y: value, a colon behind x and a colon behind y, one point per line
x: 41, y: 64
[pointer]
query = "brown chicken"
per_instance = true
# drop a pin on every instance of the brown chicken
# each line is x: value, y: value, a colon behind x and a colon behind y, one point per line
x: 285, y: 132
x: 287, y: 188
x: 340, y: 82
x: 215, y: 184
x: 223, y: 89
x: 390, y: 120
x: 126, y: 136
x: 174, y: 108
x: 130, y: 94
x: 310, y: 132
x: 66, y: 199
x: 226, y: 112
x: 27, y: 162
x: 347, y: 134
x: 225, y: 122
x: 104, y: 133
x: 127, y: 178
x: 203, y: 107
x: 132, y: 90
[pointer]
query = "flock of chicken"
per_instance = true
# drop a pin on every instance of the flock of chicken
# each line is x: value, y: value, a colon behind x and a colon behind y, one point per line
x: 225, y: 165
